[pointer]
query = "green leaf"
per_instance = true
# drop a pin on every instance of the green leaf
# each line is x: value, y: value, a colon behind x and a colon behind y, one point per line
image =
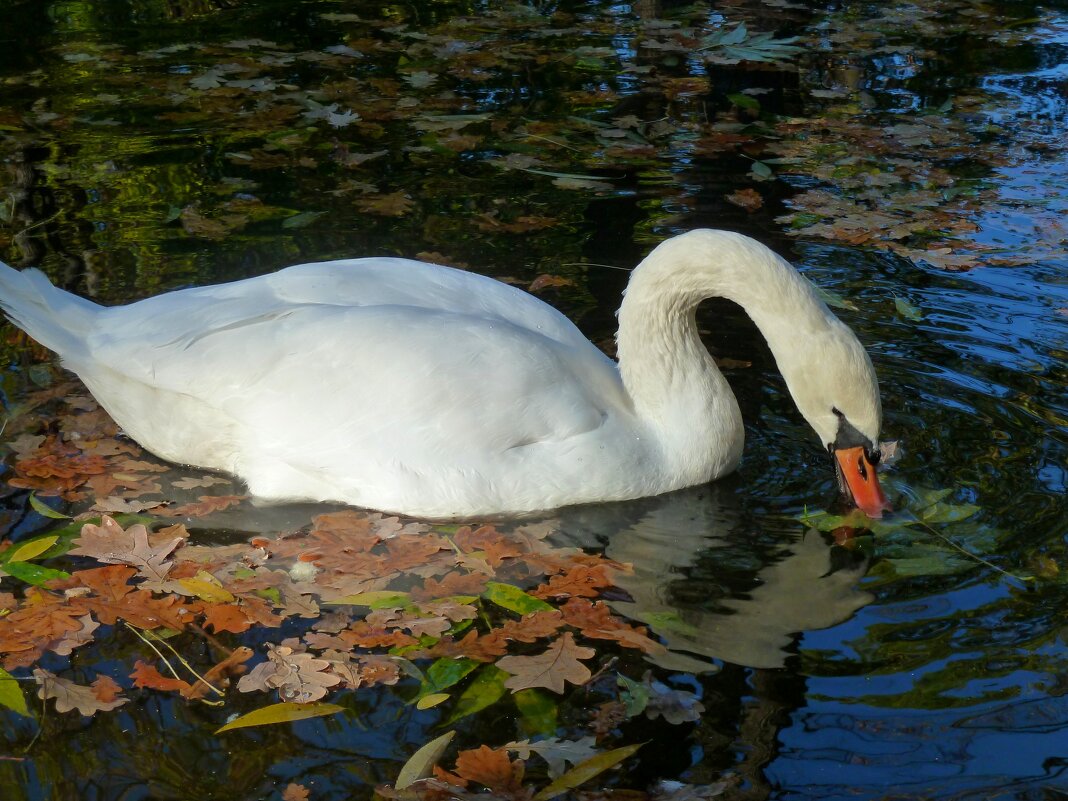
x: 584, y: 771
x: 431, y: 700
x: 280, y: 713
x: 445, y: 673
x: 34, y: 574
x: 537, y: 710
x: 635, y: 695
x: 908, y: 310
x: 44, y: 509
x: 421, y: 763
x: 513, y: 598
x: 302, y: 219
x: 11, y: 694
x: 947, y: 512
x: 744, y: 101
x: 30, y: 549
x: 834, y: 299
x: 379, y: 599
x: 486, y: 689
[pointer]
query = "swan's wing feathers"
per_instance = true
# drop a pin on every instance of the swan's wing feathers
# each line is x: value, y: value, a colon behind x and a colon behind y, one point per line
x: 425, y: 382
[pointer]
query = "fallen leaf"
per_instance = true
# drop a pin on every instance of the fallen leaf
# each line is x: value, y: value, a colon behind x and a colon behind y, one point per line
x: 101, y: 696
x: 559, y: 663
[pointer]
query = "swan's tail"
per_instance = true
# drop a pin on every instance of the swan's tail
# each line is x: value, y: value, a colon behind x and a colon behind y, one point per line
x: 57, y: 319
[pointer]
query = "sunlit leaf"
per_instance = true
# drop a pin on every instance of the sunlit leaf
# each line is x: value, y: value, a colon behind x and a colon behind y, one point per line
x: 908, y: 310
x: 431, y: 700
x: 421, y: 763
x: 584, y: 771
x: 381, y: 599
x: 45, y: 510
x: 513, y: 598
x: 281, y: 713
x: 11, y: 695
x: 34, y: 574
x: 25, y: 551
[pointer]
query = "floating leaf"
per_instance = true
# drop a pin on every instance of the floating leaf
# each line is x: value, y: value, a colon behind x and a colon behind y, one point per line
x: 34, y: 574
x: 11, y: 694
x: 44, y: 509
x: 280, y: 713
x: 302, y: 219
x: 584, y: 771
x: 513, y: 598
x: 908, y: 310
x: 30, y: 549
x: 383, y: 599
x: 421, y: 763
x: 431, y: 700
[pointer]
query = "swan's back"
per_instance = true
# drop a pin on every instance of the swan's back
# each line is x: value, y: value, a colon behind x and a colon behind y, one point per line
x: 380, y: 382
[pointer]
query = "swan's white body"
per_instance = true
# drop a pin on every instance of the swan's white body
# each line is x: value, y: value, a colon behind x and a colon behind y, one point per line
x: 413, y: 388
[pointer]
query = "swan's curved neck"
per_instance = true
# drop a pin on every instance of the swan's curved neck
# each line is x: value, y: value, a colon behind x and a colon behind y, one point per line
x: 672, y: 380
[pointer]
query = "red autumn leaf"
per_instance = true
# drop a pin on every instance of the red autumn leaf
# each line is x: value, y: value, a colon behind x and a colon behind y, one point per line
x: 148, y: 676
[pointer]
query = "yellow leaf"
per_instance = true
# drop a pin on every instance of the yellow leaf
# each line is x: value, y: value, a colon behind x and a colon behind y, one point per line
x: 586, y: 770
x: 421, y: 763
x: 207, y: 588
x: 280, y: 713
x: 28, y: 550
x: 431, y: 700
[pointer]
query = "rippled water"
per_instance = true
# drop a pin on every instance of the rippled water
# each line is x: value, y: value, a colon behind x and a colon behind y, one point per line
x: 891, y: 666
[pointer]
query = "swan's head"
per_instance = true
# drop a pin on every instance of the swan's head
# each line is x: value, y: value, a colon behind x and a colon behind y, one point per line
x: 834, y: 386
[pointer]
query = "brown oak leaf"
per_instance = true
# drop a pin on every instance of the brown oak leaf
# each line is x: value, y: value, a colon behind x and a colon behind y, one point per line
x: 491, y: 768
x: 146, y: 675
x: 298, y: 677
x: 550, y: 669
x: 110, y: 544
x: 103, y: 695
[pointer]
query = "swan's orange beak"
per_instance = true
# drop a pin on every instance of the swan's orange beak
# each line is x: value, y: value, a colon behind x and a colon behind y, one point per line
x: 860, y: 481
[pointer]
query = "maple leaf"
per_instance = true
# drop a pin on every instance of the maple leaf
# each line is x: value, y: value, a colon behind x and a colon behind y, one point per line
x: 491, y: 768
x: 550, y: 669
x: 101, y: 696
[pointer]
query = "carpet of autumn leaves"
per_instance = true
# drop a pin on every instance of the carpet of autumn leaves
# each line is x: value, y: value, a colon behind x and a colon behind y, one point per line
x: 465, y: 617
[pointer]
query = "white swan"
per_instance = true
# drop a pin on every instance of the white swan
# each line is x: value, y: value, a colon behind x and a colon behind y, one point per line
x: 419, y: 389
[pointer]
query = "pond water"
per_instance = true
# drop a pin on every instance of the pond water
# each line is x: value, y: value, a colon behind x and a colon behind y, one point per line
x: 909, y: 159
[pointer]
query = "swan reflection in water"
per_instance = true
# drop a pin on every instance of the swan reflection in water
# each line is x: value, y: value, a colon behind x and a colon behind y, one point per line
x: 713, y: 588
x: 707, y: 583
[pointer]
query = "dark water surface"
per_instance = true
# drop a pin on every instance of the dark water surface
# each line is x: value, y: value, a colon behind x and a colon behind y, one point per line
x: 149, y: 145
